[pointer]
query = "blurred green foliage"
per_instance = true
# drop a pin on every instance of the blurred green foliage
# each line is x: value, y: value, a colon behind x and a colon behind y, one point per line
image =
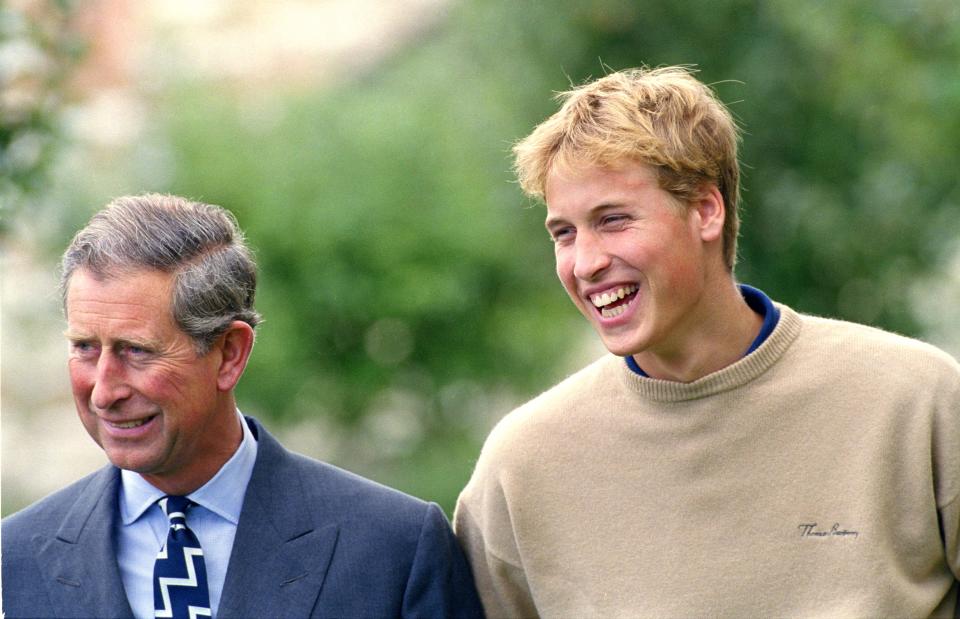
x: 36, y: 55
x: 408, y: 289
x: 400, y: 272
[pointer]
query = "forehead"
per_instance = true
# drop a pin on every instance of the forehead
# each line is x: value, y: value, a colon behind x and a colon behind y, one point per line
x: 591, y: 186
x: 135, y: 301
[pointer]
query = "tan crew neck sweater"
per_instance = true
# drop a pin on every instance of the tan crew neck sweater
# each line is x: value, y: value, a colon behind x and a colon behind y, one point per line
x: 818, y: 476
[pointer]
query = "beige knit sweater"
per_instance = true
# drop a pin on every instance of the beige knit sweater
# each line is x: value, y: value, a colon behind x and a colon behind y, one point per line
x: 818, y: 476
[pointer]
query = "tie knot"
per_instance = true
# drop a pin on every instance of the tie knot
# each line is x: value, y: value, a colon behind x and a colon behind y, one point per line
x: 175, y: 507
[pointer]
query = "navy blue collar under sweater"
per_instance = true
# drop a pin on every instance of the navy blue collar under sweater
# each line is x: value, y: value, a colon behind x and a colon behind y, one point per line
x: 759, y: 303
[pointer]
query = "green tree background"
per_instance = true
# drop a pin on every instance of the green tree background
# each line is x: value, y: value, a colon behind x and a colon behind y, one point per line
x: 408, y: 286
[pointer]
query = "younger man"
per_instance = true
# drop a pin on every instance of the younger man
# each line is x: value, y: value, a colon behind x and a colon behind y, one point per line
x: 730, y: 457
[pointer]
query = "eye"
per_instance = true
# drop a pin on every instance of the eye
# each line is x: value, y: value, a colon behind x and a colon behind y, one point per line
x: 613, y: 221
x: 562, y: 234
x: 84, y: 349
x: 136, y: 351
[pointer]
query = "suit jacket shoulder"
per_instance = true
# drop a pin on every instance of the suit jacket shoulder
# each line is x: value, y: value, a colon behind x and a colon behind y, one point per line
x: 59, y: 554
x: 315, y: 540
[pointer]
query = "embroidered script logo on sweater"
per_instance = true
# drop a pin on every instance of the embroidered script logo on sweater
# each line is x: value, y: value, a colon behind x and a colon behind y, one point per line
x: 812, y: 529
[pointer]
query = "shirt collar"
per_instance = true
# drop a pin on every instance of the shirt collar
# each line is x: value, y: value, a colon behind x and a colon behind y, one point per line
x: 220, y: 495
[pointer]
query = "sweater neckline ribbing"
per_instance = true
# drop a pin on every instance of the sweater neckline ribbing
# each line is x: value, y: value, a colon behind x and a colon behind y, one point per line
x: 735, y: 375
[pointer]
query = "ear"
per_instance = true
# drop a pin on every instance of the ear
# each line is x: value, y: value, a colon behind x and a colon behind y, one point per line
x: 711, y: 213
x: 235, y: 345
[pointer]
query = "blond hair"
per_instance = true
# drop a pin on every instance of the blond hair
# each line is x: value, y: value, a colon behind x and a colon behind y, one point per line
x: 662, y: 117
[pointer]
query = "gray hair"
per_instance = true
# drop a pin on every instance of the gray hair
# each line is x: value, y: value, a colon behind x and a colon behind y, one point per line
x: 215, y: 276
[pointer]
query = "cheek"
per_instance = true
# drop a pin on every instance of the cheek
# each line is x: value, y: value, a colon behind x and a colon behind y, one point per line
x: 569, y: 283
x: 81, y: 383
x: 81, y: 377
x: 161, y: 388
x: 181, y: 386
x: 564, y: 266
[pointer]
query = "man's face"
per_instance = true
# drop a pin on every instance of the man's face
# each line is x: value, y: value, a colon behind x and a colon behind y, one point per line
x: 630, y: 257
x: 140, y: 389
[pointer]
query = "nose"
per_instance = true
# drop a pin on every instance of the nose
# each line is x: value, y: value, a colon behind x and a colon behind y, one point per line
x: 591, y: 259
x: 110, y: 385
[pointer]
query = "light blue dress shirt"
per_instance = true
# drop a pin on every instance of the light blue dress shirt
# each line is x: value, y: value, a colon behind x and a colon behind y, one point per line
x: 142, y: 527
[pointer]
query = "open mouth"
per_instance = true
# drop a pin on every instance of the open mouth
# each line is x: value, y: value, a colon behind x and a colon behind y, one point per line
x: 614, y: 302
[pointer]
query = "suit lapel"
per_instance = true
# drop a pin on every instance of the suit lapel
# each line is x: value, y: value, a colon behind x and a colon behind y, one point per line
x: 79, y: 562
x: 279, y: 558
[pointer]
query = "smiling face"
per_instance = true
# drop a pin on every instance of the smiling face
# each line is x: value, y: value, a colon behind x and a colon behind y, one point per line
x: 634, y: 261
x: 141, y: 391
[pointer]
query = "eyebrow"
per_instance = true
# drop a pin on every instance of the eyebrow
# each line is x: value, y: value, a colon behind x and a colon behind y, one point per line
x: 148, y: 344
x: 553, y: 222
x: 74, y: 336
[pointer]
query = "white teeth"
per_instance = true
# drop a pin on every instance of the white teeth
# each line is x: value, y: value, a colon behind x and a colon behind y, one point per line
x: 606, y: 298
x: 129, y: 424
x: 611, y: 313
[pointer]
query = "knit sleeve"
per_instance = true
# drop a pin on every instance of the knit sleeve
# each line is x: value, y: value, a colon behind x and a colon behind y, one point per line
x: 946, y: 441
x: 950, y: 516
x: 497, y: 571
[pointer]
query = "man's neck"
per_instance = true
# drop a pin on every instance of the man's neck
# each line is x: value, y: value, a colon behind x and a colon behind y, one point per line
x: 189, y: 478
x: 723, y: 330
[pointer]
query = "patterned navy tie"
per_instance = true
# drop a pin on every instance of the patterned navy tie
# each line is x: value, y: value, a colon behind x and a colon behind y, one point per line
x: 179, y: 575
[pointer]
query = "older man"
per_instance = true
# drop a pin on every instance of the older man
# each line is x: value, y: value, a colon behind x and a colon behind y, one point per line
x: 201, y: 512
x: 730, y: 457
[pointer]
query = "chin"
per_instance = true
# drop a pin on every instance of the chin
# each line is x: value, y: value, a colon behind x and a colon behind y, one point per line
x: 621, y: 349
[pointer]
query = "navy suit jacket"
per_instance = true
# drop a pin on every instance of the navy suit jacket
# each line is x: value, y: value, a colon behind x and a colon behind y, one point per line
x: 312, y: 541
